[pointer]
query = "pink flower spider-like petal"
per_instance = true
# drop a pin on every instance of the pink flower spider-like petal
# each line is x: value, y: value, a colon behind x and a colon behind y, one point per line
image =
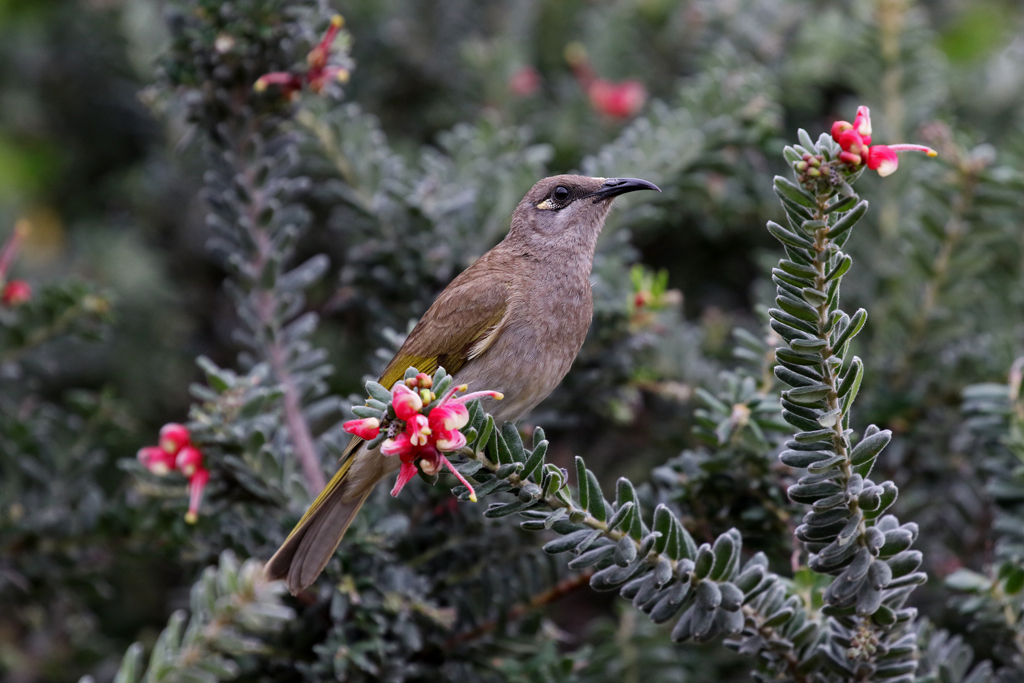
x: 405, y: 473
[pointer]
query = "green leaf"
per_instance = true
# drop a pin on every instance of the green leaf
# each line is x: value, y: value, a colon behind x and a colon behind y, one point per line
x: 663, y: 525
x: 851, y: 330
x: 597, y: 504
x: 808, y: 394
x: 813, y: 296
x: 725, y: 551
x: 841, y: 205
x: 582, y: 483
x: 967, y: 581
x: 787, y: 237
x: 848, y: 220
x: 798, y: 269
x: 840, y: 268
x: 536, y: 459
x: 796, y: 308
x: 486, y: 440
x: 787, y: 188
x: 514, y: 442
x: 869, y: 447
x: 703, y: 562
x: 806, y: 141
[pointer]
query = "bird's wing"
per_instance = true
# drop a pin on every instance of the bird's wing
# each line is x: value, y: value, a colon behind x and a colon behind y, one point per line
x: 462, y: 323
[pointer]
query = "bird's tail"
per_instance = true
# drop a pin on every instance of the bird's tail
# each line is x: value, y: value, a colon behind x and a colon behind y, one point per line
x: 312, y: 542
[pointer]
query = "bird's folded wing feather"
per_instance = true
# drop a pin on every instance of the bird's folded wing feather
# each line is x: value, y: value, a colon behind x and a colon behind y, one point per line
x: 460, y: 325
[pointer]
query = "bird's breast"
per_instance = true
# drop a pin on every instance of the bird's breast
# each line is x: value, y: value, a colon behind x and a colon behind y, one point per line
x: 544, y: 331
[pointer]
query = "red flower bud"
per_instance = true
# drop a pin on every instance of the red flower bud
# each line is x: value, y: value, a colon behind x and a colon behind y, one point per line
x: 174, y: 437
x: 16, y: 293
x: 851, y: 141
x: 838, y: 128
x: 156, y: 460
x: 366, y: 429
x: 850, y: 158
x: 189, y: 460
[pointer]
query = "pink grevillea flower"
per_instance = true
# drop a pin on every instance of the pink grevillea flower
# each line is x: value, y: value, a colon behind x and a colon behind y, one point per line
x: 431, y: 461
x: 420, y: 439
x: 319, y: 72
x: 450, y: 440
x: 366, y: 429
x: 418, y: 429
x: 524, y: 82
x: 882, y: 158
x: 156, y: 460
x: 855, y: 141
x: 16, y: 293
x: 196, y: 483
x: 617, y: 100
x: 174, y: 437
x: 188, y: 460
x: 451, y: 415
x: 405, y: 401
x: 399, y: 444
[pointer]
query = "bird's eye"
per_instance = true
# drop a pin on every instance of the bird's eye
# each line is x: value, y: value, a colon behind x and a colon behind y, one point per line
x: 560, y: 194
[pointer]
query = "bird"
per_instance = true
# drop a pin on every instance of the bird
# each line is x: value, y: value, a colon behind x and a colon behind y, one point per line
x: 512, y: 322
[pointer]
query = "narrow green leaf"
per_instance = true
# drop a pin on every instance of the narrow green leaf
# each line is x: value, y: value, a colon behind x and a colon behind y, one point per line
x: 535, y: 461
x: 806, y: 395
x: 582, y: 483
x: 840, y: 268
x: 851, y: 380
x: 597, y: 504
x: 813, y: 296
x: 851, y: 330
x: 848, y: 220
x: 514, y: 442
x: 484, y: 442
x: 787, y: 237
x: 787, y: 188
x: 796, y: 308
x: 798, y: 269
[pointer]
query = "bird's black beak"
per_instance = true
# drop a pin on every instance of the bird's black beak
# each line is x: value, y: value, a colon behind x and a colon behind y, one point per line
x: 613, y: 187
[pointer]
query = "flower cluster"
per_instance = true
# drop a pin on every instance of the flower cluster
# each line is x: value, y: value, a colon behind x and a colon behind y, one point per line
x: 618, y: 100
x: 419, y: 427
x: 175, y: 451
x: 319, y: 73
x: 855, y: 141
x: 16, y: 292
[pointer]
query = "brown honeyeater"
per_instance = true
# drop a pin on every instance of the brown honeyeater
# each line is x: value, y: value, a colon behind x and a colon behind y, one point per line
x: 512, y: 322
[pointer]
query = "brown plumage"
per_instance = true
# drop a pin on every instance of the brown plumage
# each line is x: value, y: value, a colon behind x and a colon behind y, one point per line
x: 512, y: 322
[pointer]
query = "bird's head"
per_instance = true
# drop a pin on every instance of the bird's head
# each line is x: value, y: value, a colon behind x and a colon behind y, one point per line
x: 569, y: 209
